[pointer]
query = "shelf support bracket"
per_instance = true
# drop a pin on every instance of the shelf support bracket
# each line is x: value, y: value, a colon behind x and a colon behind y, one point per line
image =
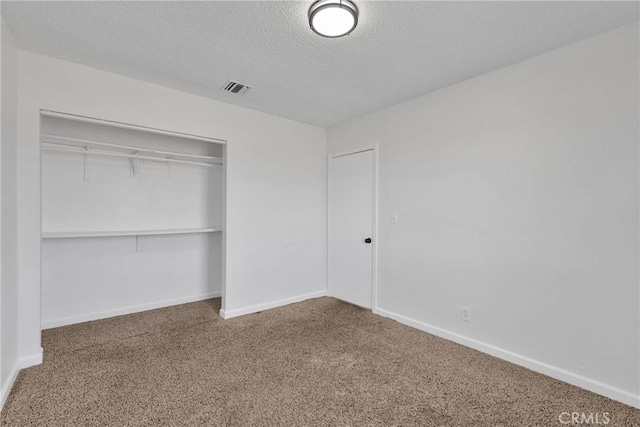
x: 135, y: 165
x: 85, y: 171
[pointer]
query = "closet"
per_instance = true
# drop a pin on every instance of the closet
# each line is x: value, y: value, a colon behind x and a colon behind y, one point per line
x: 132, y: 218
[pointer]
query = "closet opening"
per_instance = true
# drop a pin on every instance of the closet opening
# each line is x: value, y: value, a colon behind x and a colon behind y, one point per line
x: 133, y: 218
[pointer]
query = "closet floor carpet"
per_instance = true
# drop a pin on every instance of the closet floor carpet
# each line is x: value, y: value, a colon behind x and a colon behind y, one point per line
x: 321, y: 362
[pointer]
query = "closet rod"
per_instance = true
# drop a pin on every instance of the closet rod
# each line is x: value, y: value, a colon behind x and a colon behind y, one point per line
x: 122, y: 125
x: 123, y: 147
x: 94, y: 151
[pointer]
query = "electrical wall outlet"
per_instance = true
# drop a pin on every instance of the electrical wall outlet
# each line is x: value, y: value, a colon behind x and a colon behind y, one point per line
x: 394, y: 217
x: 465, y: 314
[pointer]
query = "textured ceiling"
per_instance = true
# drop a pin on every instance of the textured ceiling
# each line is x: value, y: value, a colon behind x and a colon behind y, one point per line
x: 398, y: 51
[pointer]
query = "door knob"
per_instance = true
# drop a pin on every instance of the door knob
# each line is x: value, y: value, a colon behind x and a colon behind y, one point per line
x: 367, y: 240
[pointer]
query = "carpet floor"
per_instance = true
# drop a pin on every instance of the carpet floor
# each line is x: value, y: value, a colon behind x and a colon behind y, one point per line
x: 321, y: 362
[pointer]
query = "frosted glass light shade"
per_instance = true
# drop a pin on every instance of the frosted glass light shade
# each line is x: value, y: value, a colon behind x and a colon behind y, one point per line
x: 333, y: 18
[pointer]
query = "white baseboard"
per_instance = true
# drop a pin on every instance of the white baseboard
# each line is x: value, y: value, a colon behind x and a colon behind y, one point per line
x: 518, y: 359
x: 21, y: 363
x: 228, y: 314
x: 126, y: 310
x: 6, y: 387
x: 31, y: 360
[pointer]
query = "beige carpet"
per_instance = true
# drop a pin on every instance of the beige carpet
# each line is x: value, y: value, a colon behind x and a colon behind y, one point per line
x: 321, y: 362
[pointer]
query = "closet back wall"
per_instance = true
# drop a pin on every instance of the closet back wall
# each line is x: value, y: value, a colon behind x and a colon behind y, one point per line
x: 88, y: 277
x: 275, y: 172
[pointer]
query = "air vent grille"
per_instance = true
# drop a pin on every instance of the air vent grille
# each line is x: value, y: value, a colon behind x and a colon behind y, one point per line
x: 235, y: 87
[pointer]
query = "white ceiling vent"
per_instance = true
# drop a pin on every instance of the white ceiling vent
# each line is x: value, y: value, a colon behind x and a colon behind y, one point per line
x: 235, y: 87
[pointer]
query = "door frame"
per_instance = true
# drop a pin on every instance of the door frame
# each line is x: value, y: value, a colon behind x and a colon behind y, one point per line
x: 374, y: 231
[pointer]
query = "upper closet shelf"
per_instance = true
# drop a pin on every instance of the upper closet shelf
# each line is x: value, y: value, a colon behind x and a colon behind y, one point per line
x: 76, y: 234
x: 85, y: 146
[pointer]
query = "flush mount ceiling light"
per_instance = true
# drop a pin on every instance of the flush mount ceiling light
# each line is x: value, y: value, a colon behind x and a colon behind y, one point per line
x: 333, y: 18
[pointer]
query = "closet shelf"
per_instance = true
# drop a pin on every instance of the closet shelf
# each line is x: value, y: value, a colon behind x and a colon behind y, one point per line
x: 77, y: 234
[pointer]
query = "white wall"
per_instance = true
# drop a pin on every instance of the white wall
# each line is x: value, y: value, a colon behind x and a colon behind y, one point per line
x: 517, y: 196
x: 91, y: 278
x: 105, y: 197
x: 8, y: 215
x: 275, y: 224
x: 8, y: 260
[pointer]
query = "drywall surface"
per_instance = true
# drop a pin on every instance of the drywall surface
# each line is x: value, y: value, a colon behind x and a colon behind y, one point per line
x: 276, y: 177
x: 91, y: 278
x: 8, y: 215
x: 517, y: 197
x: 105, y: 193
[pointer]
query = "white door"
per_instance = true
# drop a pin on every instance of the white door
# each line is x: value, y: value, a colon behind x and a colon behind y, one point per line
x: 351, y: 227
